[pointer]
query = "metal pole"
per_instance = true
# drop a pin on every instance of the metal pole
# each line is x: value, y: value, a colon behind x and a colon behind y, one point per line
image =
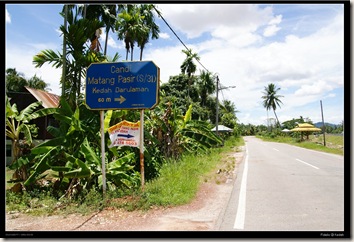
x: 103, y: 153
x: 217, y: 105
x: 323, y: 126
x: 142, y: 149
x: 217, y: 102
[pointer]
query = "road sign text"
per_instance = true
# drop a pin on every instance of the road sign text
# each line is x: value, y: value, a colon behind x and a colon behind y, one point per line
x: 122, y: 85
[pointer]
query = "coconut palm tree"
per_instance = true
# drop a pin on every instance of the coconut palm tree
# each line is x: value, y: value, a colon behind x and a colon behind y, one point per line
x: 271, y: 99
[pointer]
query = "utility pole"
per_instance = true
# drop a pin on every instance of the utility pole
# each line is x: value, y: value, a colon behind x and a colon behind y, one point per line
x: 323, y: 126
x: 217, y: 102
x: 217, y: 105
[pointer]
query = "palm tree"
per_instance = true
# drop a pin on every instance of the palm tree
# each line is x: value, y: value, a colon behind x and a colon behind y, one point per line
x: 129, y: 26
x: 38, y: 83
x: 271, y: 99
x: 107, y: 14
x: 149, y: 23
x: 14, y: 80
x: 206, y: 85
x: 188, y: 66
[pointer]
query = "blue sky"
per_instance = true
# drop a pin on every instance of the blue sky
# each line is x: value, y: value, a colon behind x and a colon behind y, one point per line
x: 298, y: 47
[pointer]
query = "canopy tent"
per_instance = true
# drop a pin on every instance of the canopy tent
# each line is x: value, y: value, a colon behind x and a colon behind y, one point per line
x: 305, y: 127
x: 222, y: 128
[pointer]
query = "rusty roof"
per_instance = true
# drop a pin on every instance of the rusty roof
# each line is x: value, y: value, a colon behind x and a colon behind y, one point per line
x: 48, y: 100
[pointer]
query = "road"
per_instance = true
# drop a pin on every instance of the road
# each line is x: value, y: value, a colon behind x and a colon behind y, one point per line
x: 280, y: 187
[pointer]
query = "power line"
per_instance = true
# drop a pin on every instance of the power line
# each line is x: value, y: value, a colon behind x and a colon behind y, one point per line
x: 178, y: 36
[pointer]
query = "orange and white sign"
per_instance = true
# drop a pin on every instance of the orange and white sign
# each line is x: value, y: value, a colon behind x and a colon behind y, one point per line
x: 125, y: 133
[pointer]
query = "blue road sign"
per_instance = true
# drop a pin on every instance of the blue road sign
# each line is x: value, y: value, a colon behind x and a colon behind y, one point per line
x: 122, y: 85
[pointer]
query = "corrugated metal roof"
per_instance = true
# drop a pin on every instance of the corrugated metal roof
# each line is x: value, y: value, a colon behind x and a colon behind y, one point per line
x: 222, y: 128
x: 49, y: 100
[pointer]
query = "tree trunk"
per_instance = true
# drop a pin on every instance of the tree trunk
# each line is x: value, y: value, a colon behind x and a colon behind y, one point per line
x: 141, y: 54
x: 105, y: 44
x: 276, y: 118
x: 131, y: 54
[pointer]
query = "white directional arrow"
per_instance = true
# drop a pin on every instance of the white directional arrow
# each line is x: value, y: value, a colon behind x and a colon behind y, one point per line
x: 121, y: 99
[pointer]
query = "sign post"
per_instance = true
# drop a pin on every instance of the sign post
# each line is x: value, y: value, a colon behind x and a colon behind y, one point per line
x: 103, y: 153
x: 142, y: 172
x: 123, y: 85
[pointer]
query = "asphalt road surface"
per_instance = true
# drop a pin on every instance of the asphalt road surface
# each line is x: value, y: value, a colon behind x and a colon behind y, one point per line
x: 280, y: 187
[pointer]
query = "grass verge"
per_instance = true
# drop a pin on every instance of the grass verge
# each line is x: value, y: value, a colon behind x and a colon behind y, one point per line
x: 334, y: 143
x: 179, y: 181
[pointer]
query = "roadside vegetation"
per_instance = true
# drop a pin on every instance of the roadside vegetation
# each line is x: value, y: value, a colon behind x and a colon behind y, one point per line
x: 63, y: 174
x: 177, y: 184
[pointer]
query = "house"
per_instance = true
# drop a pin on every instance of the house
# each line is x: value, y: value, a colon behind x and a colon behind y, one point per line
x: 25, y: 98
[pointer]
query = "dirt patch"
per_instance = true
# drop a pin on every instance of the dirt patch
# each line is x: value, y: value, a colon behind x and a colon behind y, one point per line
x: 199, y: 215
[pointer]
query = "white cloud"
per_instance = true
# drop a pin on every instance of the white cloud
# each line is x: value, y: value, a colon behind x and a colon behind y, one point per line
x: 8, y: 17
x: 164, y: 36
x: 313, y: 89
x: 271, y: 30
x: 168, y: 59
x: 276, y: 20
x: 196, y: 19
x: 272, y: 27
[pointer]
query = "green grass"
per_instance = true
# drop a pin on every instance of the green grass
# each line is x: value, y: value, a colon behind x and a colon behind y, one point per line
x: 179, y: 181
x: 334, y: 143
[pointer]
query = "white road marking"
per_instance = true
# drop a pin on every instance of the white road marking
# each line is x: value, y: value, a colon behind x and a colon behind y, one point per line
x: 308, y: 164
x: 241, y: 208
x: 275, y: 149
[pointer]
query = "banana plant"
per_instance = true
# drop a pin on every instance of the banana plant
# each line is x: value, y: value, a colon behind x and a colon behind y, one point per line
x: 74, y: 154
x: 18, y: 124
x: 176, y: 133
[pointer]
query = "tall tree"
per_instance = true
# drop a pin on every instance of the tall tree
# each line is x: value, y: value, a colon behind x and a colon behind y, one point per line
x: 14, y: 80
x: 105, y: 13
x: 271, y: 99
x: 206, y: 85
x: 129, y: 27
x: 152, y: 29
x: 228, y: 114
x: 188, y: 66
x: 38, y: 83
